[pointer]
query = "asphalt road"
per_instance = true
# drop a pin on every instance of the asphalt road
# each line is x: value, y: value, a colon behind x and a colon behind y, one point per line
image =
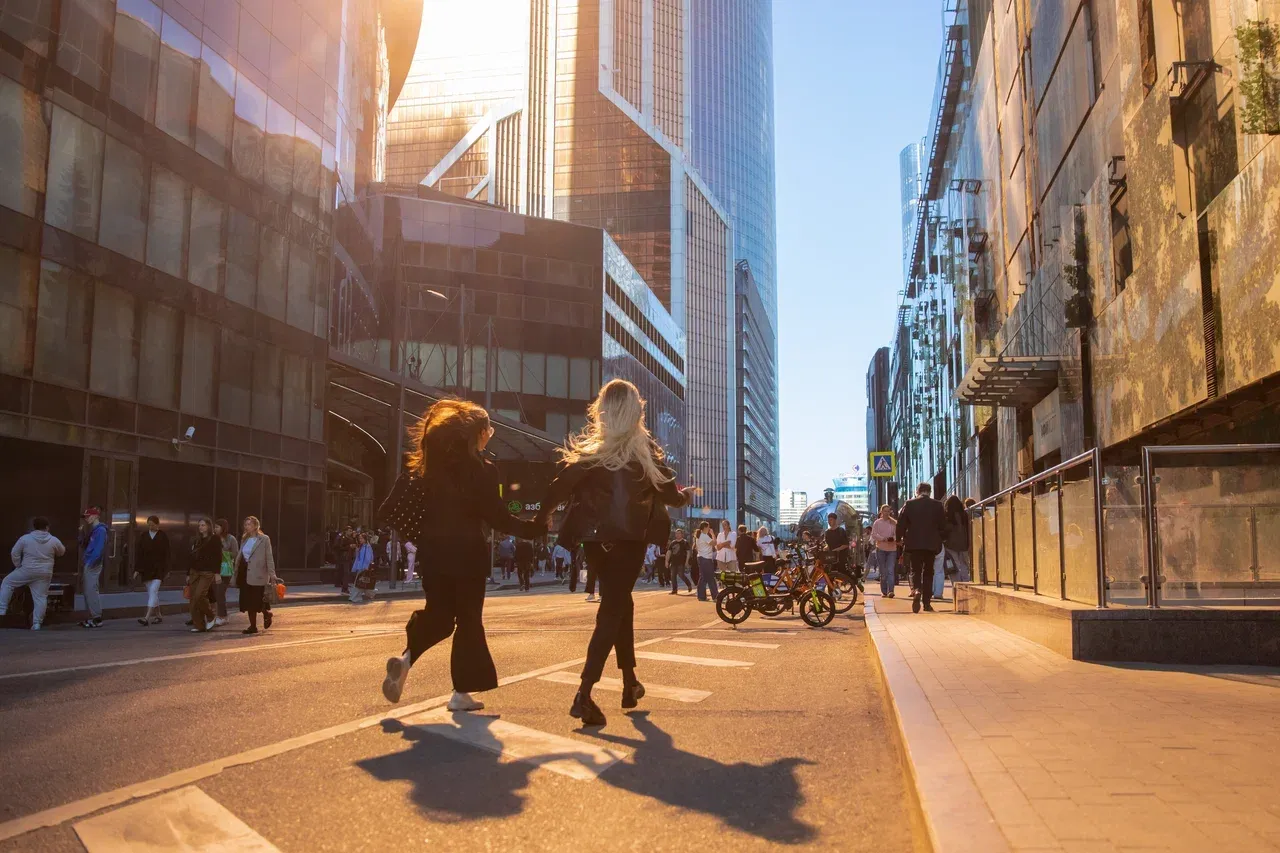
x: 781, y: 738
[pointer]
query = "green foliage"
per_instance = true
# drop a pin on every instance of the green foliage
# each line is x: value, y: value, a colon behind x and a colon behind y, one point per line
x: 1259, y: 43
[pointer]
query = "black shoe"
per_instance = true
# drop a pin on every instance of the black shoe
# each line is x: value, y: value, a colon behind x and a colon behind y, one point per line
x: 250, y: 630
x: 143, y: 621
x: 915, y: 603
x: 585, y: 709
x: 928, y: 609
x: 266, y: 620
x: 889, y: 595
x: 632, y: 694
x: 189, y: 623
x: 91, y: 623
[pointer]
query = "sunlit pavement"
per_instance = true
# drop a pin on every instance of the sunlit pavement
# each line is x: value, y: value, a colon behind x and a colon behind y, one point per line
x: 772, y: 735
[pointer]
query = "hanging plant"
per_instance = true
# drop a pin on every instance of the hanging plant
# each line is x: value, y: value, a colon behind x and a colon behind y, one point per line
x: 1259, y: 82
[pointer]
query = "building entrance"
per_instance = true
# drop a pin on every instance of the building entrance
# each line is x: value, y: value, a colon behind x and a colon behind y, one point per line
x: 111, y: 482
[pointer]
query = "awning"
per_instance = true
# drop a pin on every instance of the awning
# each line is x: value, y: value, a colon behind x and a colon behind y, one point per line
x: 1013, y: 381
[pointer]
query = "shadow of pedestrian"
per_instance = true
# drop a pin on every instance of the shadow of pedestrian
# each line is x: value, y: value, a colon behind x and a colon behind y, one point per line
x: 757, y: 799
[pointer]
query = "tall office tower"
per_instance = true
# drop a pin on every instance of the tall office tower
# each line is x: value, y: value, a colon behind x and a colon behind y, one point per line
x: 910, y: 174
x: 791, y: 505
x: 577, y: 109
x: 730, y: 143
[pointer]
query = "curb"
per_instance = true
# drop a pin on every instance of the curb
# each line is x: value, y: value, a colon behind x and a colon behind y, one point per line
x: 955, y: 814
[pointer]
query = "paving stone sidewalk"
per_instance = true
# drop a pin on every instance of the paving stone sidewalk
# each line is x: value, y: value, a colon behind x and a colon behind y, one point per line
x: 1074, y: 756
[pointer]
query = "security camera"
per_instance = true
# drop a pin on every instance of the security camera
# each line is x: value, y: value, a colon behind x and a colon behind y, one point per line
x: 186, y: 437
x: 191, y: 433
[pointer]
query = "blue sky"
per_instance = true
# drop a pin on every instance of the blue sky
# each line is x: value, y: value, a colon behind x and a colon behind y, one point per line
x: 853, y: 82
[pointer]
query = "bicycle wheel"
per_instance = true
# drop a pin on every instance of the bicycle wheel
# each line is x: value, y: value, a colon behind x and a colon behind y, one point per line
x: 731, y: 606
x: 817, y: 613
x: 843, y: 590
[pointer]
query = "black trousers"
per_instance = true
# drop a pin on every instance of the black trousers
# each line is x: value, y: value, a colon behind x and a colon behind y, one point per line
x: 618, y: 565
x: 455, y: 605
x: 921, y: 565
x: 524, y: 573
x: 344, y: 571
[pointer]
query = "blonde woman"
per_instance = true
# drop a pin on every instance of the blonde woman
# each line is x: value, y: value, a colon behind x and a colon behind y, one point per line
x: 256, y: 567
x: 614, y: 472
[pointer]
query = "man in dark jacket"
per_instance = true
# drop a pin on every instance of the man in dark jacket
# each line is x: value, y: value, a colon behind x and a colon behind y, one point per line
x: 150, y: 565
x: 922, y: 528
x: 524, y: 563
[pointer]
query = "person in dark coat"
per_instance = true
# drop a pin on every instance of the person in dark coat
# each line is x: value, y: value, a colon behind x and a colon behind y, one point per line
x: 443, y: 502
x: 524, y: 563
x: 150, y: 565
x: 922, y: 529
x: 206, y: 564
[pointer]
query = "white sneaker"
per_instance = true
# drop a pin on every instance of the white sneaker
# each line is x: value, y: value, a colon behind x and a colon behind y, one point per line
x: 219, y: 621
x: 591, y: 598
x: 35, y: 626
x: 464, y: 702
x: 209, y: 626
x: 397, y: 674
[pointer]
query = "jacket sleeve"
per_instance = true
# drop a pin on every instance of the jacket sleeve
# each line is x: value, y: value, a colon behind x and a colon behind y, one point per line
x: 489, y: 506
x: 904, y: 523
x: 97, y: 544
x: 560, y: 489
x: 271, y: 557
x: 669, y: 493
x: 58, y: 548
x: 16, y: 553
x: 399, y: 507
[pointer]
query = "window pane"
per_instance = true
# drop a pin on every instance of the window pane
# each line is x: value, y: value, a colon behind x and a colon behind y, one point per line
x: 134, y: 57
x: 297, y: 395
x: 557, y: 376
x: 216, y: 109
x: 75, y: 175
x: 557, y: 425
x: 62, y: 326
x: 580, y: 378
x: 166, y: 234
x: 279, y: 164
x: 28, y: 21
x: 535, y: 369
x: 235, y: 378
x: 301, y: 287
x: 508, y: 370
x: 319, y: 379
x: 250, y: 125
x: 320, y: 289
x: 18, y: 275
x: 124, y: 200
x: 85, y: 36
x: 176, y: 92
x: 23, y: 139
x: 266, y: 387
x: 271, y: 273
x: 242, y: 258
x: 199, y: 353
x: 208, y: 216
x: 161, y: 349
x: 479, y: 367
x: 113, y: 364
x: 306, y: 172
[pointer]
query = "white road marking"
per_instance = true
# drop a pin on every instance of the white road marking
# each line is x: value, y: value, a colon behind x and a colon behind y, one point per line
x: 59, y: 815
x: 236, y: 650
x: 737, y: 644
x: 717, y: 662
x: 187, y: 819
x: 573, y: 758
x: 679, y: 694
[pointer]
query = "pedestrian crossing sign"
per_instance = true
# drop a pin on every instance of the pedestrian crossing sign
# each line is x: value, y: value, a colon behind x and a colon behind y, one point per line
x: 883, y: 464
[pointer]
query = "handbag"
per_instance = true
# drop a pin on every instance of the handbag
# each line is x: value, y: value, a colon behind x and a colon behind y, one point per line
x: 186, y: 592
x: 366, y: 580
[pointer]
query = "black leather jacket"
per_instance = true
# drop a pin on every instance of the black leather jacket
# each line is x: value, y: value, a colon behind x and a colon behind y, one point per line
x: 611, y: 506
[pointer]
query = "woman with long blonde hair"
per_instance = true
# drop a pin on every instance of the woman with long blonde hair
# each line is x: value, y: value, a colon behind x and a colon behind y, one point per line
x: 618, y: 486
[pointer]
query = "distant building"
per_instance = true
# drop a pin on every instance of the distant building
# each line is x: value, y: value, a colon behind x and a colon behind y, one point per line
x: 852, y: 489
x: 878, y: 421
x: 791, y: 506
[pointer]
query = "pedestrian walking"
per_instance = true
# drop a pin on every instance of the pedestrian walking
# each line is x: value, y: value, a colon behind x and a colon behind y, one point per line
x: 205, y: 566
x: 255, y: 569
x: 346, y: 548
x: 955, y: 550
x: 507, y: 556
x: 836, y: 538
x: 884, y: 536
x: 705, y: 544
x: 363, y: 560
x: 922, y: 528
x: 150, y: 565
x: 443, y: 502
x: 562, y: 559
x: 33, y: 556
x: 726, y: 550
x: 95, y: 552
x: 745, y: 548
x: 524, y: 564
x: 663, y: 566
x: 411, y: 560
x: 768, y: 546
x: 227, y: 569
x: 678, y: 562
x: 650, y: 562
x: 615, y: 474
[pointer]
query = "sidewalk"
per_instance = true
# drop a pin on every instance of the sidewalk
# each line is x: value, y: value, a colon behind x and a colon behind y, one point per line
x: 1014, y: 747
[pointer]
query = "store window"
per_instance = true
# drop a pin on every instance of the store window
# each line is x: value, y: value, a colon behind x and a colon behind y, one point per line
x: 215, y: 108
x: 179, y: 77
x: 85, y: 39
x: 199, y: 358
x: 235, y: 378
x: 24, y: 140
x: 250, y: 126
x: 123, y: 227
x: 134, y: 57
x: 161, y: 356
x: 242, y: 258
x: 167, y: 227
x: 301, y: 305
x: 266, y: 387
x: 63, y: 306
x: 113, y: 359
x: 75, y: 175
x: 18, y: 275
x: 272, y: 268
x: 206, y: 259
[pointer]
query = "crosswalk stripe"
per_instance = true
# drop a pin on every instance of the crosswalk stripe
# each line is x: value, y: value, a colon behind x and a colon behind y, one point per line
x: 659, y: 691
x: 696, y: 661
x: 568, y: 757
x: 737, y: 644
x: 185, y: 819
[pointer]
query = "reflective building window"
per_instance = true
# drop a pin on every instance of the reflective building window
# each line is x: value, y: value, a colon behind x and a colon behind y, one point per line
x: 134, y: 56
x: 75, y: 175
x: 123, y: 227
x: 62, y: 325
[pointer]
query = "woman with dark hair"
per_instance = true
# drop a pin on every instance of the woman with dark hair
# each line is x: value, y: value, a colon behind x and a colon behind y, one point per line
x: 442, y: 503
x: 618, y: 486
x: 956, y: 546
x: 227, y: 574
x: 206, y: 563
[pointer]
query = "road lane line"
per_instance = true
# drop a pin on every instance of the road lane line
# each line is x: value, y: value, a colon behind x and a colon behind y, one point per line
x: 185, y: 819
x: 573, y: 758
x: 715, y: 662
x: 111, y: 664
x: 737, y: 644
x: 679, y: 694
x: 59, y: 815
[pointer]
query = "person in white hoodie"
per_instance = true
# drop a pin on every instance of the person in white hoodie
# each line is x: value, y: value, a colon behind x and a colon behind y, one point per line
x: 33, y: 557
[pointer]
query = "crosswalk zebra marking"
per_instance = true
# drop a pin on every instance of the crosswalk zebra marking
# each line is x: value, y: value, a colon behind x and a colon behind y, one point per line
x: 185, y: 819
x: 659, y: 691
x: 695, y: 661
x: 737, y: 644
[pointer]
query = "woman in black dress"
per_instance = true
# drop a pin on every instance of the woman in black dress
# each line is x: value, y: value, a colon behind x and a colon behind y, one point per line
x: 618, y: 488
x: 441, y: 504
